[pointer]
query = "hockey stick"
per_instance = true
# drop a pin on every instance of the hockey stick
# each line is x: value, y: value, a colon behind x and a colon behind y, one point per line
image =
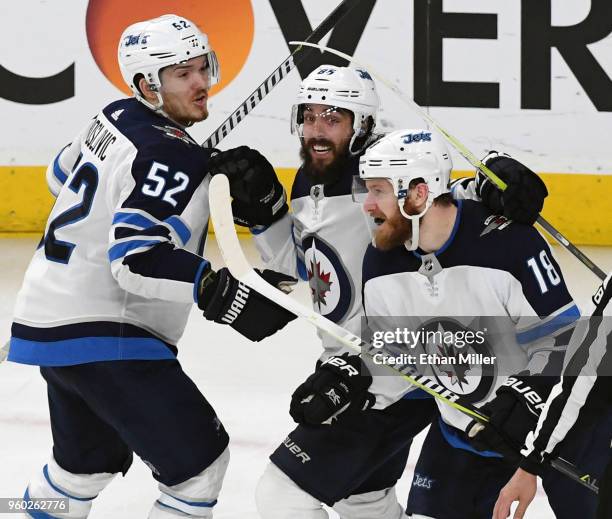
x: 297, y: 56
x: 241, y: 269
x: 467, y: 154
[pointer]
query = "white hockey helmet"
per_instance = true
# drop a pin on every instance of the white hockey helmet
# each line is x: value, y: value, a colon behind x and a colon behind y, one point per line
x: 149, y: 46
x: 403, y: 156
x: 343, y: 87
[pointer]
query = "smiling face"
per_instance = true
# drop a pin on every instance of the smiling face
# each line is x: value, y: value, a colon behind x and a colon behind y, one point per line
x: 327, y: 132
x: 184, y: 90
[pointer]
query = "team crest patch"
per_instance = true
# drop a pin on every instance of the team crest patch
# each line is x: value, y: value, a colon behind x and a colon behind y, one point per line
x: 493, y: 222
x: 175, y: 133
x: 464, y: 374
x: 331, y: 288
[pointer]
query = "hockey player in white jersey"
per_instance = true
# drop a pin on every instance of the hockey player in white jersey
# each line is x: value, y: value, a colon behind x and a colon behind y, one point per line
x: 581, y: 396
x: 107, y: 294
x: 444, y: 266
x: 353, y: 463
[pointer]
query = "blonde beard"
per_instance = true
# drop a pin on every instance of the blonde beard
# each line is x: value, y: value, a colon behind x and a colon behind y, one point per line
x: 395, y: 231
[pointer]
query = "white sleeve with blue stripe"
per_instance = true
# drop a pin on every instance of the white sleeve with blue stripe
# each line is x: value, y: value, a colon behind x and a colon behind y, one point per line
x: 153, y: 243
x: 61, y: 166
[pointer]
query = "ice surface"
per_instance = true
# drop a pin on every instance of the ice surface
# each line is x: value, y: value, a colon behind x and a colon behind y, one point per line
x: 248, y: 384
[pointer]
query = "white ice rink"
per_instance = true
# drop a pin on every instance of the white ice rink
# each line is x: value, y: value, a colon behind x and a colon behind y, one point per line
x: 248, y: 384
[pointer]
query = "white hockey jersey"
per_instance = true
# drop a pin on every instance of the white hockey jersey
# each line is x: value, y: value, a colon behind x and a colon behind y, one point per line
x: 491, y: 276
x: 323, y: 240
x: 114, y: 275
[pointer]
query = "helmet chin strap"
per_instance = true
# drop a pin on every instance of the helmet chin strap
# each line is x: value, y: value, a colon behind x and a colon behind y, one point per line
x: 415, y: 220
x: 159, y: 108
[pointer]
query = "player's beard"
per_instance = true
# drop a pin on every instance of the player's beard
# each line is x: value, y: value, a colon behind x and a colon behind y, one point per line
x: 394, y: 231
x: 320, y: 173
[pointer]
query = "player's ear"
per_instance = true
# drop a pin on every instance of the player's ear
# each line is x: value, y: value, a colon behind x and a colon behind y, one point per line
x: 145, y: 88
x: 418, y: 194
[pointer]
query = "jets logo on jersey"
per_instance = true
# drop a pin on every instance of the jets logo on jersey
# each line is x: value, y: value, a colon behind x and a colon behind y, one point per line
x: 330, y: 286
x: 495, y: 222
x: 459, y: 365
x: 175, y: 133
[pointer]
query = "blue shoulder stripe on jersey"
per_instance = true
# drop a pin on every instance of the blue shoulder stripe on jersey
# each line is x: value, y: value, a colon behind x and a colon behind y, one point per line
x: 453, y: 437
x: 121, y: 249
x: 135, y: 219
x: 205, y: 504
x: 35, y: 514
x: 550, y: 326
x: 180, y: 227
x: 196, y: 283
x: 58, y: 172
x: 87, y: 349
x: 60, y: 491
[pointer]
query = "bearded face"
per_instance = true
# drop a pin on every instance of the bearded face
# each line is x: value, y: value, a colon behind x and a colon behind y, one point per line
x: 392, y: 228
x: 327, y: 132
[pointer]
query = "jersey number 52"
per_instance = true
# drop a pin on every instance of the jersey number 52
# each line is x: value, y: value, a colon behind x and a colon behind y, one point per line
x: 158, y: 183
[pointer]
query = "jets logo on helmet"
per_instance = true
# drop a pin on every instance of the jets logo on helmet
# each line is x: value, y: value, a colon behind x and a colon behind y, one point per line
x: 405, y: 155
x: 417, y: 137
x: 340, y: 87
x: 145, y: 48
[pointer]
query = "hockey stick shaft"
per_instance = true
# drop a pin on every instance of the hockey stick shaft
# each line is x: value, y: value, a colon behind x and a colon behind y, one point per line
x: 241, y: 269
x: 297, y: 56
x: 467, y: 154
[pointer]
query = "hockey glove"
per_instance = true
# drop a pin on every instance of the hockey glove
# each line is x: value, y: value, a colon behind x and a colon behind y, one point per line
x: 513, y: 413
x: 225, y: 300
x: 337, y: 384
x: 259, y: 198
x: 522, y: 200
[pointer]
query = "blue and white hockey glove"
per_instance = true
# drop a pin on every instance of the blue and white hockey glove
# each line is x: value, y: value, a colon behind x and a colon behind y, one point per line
x: 258, y: 197
x: 225, y: 300
x: 522, y: 200
x: 513, y: 413
x: 338, y: 384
